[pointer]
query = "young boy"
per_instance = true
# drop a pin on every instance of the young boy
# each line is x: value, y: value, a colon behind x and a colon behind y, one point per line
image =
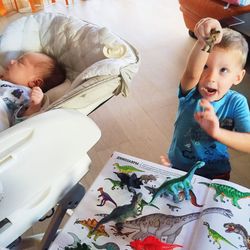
x: 23, y: 83
x: 211, y: 117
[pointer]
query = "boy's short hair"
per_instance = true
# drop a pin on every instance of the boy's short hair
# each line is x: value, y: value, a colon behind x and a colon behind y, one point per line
x: 232, y: 39
x: 52, y: 73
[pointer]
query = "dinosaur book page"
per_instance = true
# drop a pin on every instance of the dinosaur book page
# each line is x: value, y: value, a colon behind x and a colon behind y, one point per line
x: 134, y: 203
x: 228, y: 228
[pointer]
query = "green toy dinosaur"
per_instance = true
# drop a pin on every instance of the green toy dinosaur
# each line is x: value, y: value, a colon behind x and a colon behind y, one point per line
x: 121, y: 213
x: 216, y: 236
x: 126, y: 169
x: 227, y: 191
x: 174, y: 186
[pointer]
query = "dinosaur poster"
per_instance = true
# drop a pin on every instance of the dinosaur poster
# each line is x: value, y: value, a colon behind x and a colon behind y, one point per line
x: 134, y: 199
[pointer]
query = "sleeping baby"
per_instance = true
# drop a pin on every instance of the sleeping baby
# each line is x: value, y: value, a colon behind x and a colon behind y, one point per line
x: 23, y: 84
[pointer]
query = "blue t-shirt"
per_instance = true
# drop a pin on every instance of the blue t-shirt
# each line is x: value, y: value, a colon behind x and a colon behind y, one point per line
x: 191, y: 143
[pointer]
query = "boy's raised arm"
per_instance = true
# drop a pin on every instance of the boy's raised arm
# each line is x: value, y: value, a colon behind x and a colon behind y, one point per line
x: 235, y: 140
x: 198, y: 57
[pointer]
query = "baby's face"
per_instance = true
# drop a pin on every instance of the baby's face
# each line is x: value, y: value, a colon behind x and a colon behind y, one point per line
x: 222, y: 70
x: 22, y: 71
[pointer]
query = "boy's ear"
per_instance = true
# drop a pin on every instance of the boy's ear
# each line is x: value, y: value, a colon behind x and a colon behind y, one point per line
x: 240, y: 76
x: 35, y: 83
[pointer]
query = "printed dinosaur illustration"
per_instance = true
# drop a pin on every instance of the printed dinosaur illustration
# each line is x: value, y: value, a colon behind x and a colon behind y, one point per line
x: 193, y: 199
x: 210, y: 40
x: 130, y: 181
x: 152, y: 243
x: 105, y: 197
x: 172, y: 208
x: 115, y: 183
x: 107, y: 246
x: 126, y: 169
x: 114, y: 229
x: 215, y: 236
x: 121, y: 213
x: 227, y: 191
x: 77, y: 244
x: 90, y: 224
x: 146, y: 178
x: 239, y: 229
x: 168, y: 226
x: 174, y: 186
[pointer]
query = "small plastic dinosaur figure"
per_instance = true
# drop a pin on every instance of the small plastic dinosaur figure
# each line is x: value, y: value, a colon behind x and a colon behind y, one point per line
x: 105, y: 197
x: 130, y: 181
x: 126, y: 169
x: 176, y: 185
x: 239, y: 229
x: 210, y: 40
x: 193, y: 199
x: 121, y: 213
x: 152, y: 243
x: 216, y: 237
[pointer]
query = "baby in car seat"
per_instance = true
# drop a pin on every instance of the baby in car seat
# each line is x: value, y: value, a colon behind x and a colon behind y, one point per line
x: 23, y: 84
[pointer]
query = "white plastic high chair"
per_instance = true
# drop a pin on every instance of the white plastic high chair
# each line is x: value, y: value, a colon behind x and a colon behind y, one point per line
x: 41, y: 160
x: 44, y: 157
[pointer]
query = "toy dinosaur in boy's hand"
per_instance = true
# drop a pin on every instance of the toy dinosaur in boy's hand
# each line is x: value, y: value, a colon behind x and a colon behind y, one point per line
x: 210, y: 40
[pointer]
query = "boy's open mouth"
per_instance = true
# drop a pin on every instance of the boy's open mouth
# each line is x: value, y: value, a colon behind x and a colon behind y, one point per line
x: 209, y: 90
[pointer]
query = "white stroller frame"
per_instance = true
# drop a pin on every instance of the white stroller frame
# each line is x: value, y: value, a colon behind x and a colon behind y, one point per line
x: 99, y: 65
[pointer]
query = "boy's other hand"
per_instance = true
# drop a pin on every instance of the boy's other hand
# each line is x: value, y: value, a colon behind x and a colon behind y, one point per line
x: 204, y: 27
x: 208, y: 119
x: 165, y: 161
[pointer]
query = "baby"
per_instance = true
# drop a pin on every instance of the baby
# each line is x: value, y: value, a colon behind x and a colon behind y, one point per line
x: 23, y: 84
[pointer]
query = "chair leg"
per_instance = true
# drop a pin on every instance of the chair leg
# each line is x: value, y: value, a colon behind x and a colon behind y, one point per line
x: 70, y: 201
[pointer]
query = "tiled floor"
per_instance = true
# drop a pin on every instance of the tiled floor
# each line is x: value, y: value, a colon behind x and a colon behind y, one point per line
x: 142, y: 124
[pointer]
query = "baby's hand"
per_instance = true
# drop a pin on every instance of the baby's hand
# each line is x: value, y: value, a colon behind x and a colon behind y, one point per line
x: 36, y: 96
x: 208, y: 119
x: 205, y: 27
